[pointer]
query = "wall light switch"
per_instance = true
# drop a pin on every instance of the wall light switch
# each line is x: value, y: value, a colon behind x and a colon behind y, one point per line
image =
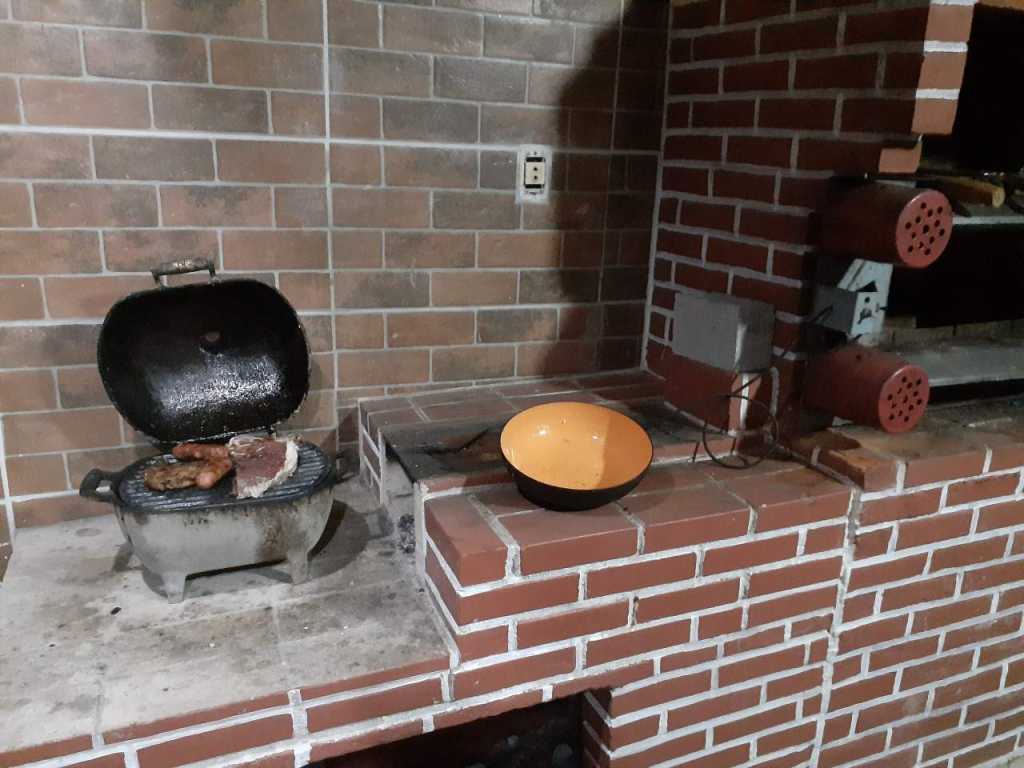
x: 533, y: 175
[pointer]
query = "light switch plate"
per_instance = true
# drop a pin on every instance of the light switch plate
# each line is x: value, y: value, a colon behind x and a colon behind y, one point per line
x: 533, y: 174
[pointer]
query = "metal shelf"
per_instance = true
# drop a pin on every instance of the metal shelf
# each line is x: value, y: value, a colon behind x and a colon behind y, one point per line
x: 967, y: 360
x: 997, y: 220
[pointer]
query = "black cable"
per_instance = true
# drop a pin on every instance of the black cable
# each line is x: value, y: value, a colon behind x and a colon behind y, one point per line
x: 771, y: 427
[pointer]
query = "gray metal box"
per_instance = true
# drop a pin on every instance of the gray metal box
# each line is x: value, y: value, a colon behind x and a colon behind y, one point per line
x: 723, y: 331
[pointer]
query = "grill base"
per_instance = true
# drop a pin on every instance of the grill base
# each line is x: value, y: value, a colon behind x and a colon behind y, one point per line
x: 179, y: 533
x: 175, y: 546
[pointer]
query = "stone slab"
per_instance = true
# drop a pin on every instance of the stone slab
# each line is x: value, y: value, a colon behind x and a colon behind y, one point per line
x: 90, y: 646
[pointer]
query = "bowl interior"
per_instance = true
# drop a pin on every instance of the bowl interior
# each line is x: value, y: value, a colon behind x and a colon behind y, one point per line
x: 576, y: 446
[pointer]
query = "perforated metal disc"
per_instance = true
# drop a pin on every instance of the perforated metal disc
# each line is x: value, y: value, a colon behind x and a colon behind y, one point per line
x: 924, y: 228
x: 903, y: 399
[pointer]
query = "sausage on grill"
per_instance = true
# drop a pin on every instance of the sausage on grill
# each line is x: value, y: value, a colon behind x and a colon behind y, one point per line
x: 213, y: 471
x: 199, y: 452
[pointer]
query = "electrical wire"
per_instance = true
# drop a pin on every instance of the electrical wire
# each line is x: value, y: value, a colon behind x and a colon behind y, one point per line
x: 770, y: 429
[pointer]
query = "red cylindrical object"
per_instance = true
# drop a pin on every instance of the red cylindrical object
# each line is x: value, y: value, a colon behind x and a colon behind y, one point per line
x: 868, y: 387
x: 899, y: 225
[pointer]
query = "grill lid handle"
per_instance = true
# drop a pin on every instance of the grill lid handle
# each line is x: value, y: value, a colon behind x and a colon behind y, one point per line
x: 183, y: 267
x: 90, y: 487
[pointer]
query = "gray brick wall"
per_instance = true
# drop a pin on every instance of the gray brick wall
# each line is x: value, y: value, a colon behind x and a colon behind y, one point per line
x: 357, y: 154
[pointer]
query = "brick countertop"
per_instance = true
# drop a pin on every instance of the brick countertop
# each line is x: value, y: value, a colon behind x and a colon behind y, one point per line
x: 710, y: 615
x: 93, y: 657
x: 950, y: 444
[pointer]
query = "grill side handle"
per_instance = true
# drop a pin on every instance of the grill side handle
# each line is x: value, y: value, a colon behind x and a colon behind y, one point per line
x: 90, y: 487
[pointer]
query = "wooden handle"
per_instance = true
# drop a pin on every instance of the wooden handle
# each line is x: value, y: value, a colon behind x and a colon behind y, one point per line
x: 971, y: 191
x: 1016, y: 5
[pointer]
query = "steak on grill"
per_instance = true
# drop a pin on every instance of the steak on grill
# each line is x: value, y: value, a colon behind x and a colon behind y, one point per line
x: 261, y: 463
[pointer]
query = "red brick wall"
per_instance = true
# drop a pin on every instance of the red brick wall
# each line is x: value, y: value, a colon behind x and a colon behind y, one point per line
x: 766, y: 101
x: 763, y: 618
x: 356, y: 154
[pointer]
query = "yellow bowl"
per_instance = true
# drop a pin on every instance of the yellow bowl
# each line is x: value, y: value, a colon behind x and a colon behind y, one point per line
x: 575, y: 456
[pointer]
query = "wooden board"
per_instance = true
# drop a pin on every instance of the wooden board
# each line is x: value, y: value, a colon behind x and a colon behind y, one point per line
x: 1016, y: 5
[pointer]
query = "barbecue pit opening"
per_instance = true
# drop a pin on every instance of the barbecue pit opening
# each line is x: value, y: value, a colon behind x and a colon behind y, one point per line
x: 962, y: 317
x: 989, y: 131
x: 542, y: 736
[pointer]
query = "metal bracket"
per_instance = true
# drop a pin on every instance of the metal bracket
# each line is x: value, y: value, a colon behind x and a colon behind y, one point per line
x: 856, y: 292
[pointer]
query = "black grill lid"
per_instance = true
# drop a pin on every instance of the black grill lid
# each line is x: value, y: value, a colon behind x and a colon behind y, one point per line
x: 203, y: 361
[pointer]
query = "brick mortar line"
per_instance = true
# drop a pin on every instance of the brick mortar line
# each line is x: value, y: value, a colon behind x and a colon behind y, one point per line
x: 711, y: 724
x: 524, y: 18
x: 794, y: 134
x: 995, y: 501
x: 738, y: 202
x: 343, y: 311
x: 910, y: 580
x: 750, y: 168
x: 659, y: 197
x: 992, y: 594
x: 553, y: 611
x: 926, y: 634
x: 895, y: 696
x: 329, y: 210
x: 937, y: 46
x: 513, y: 554
x: 725, y: 543
x: 126, y: 82
x: 714, y: 266
x: 822, y: 53
x: 792, y: 17
x: 941, y: 484
x: 711, y: 746
x: 732, y: 237
x: 356, y: 693
x: 5, y: 487
x: 447, y: 633
x: 86, y: 27
x: 134, y: 745
x: 298, y: 712
x: 929, y: 712
x: 898, y: 669
x: 140, y: 133
x: 785, y: 645
x: 387, y: 270
x: 798, y: 95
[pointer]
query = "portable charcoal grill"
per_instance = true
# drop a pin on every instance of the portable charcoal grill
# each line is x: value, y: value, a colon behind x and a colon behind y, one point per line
x: 202, y: 363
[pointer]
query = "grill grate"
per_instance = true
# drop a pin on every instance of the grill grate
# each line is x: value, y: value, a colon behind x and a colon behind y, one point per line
x: 311, y: 472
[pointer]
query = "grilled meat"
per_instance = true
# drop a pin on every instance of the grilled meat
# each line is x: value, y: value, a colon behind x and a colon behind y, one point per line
x: 185, y: 474
x: 213, y: 471
x: 200, y: 452
x: 173, y: 477
x: 261, y: 463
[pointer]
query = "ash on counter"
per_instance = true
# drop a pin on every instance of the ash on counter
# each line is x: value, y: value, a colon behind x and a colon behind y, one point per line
x: 407, y: 534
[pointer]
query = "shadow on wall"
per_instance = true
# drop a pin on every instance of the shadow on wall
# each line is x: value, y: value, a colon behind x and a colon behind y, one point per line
x: 602, y: 202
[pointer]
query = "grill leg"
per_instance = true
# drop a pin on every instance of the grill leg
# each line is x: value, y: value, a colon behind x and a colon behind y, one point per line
x: 174, y: 586
x: 298, y: 565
